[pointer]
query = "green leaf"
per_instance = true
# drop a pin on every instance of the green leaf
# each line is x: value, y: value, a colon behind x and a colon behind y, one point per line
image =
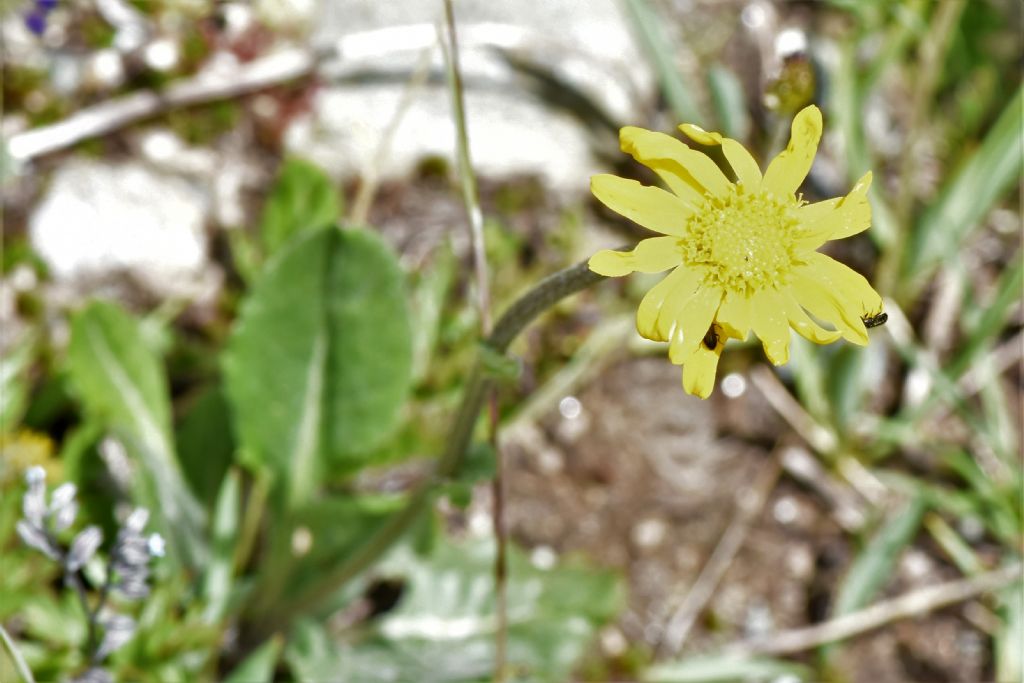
x: 874, y: 566
x: 217, y: 580
x: 429, y: 292
x: 121, y: 383
x: 725, y: 669
x: 319, y: 363
x: 259, y: 666
x: 968, y: 197
x: 1009, y: 657
x: 57, y: 621
x: 205, y: 444
x: 338, y: 527
x: 443, y: 628
x: 650, y: 31
x: 729, y: 101
x: 14, y: 384
x: 302, y: 198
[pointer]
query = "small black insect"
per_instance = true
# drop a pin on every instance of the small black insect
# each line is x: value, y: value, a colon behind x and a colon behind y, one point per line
x: 875, y: 320
x: 711, y: 338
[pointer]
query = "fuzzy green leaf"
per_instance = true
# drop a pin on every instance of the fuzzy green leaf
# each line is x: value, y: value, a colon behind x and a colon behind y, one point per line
x: 121, y: 383
x: 319, y: 363
x: 302, y: 198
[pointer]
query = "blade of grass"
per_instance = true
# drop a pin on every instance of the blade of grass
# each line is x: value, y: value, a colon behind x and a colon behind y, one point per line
x: 729, y: 101
x: 980, y: 338
x: 809, y: 376
x: 225, y: 530
x: 903, y: 428
x: 956, y: 548
x: 992, y: 319
x: 998, y: 505
x: 659, y: 51
x: 1009, y: 654
x: 927, y: 69
x: 969, y: 195
x: 259, y: 666
x: 909, y: 24
x: 996, y: 409
x: 19, y: 662
x: 874, y: 567
x: 848, y: 110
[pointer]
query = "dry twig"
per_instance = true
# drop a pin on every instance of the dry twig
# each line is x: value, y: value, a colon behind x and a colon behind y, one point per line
x: 911, y: 604
x: 748, y: 507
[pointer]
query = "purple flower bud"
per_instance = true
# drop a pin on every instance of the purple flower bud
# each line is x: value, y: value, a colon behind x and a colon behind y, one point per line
x: 46, y: 5
x: 35, y: 475
x: 35, y: 21
x: 35, y: 538
x: 85, y: 545
x: 157, y: 546
x: 65, y: 517
x: 137, y: 520
x: 132, y: 588
x: 61, y: 496
x: 33, y: 505
x: 132, y: 550
x: 118, y: 630
x: 95, y: 674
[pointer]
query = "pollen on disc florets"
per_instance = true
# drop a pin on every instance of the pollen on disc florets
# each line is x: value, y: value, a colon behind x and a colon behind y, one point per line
x: 744, y: 239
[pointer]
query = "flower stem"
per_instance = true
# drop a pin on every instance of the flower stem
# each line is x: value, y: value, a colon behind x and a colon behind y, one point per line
x: 542, y: 297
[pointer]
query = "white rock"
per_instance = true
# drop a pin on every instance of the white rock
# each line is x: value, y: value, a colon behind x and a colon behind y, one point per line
x: 97, y: 217
x: 586, y: 44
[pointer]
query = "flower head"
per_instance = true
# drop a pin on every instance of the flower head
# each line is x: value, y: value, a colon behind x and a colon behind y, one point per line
x: 743, y: 254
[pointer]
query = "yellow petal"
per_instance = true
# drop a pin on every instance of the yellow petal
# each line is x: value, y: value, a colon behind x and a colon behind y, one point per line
x: 852, y: 288
x: 693, y: 170
x: 651, y: 255
x: 681, y: 281
x: 789, y: 169
x: 836, y: 218
x: 802, y: 323
x: 743, y: 164
x: 734, y: 315
x: 836, y: 294
x: 691, y: 320
x: 771, y: 324
x: 700, y: 368
x: 824, y: 305
x: 651, y: 207
x: 658, y: 152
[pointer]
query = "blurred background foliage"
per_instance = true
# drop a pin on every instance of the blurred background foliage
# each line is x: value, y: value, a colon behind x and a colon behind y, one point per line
x: 281, y: 420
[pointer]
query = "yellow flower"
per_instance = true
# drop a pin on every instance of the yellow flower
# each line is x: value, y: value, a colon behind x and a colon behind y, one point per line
x: 743, y: 255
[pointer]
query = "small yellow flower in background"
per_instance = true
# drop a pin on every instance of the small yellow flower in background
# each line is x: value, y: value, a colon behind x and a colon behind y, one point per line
x: 743, y: 255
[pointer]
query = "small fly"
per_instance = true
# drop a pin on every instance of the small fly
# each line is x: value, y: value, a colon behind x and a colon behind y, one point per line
x: 875, y: 320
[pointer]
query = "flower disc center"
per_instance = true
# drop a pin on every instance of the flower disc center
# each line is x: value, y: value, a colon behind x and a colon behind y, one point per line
x: 744, y: 240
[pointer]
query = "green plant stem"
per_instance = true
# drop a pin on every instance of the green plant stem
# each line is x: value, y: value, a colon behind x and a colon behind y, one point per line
x: 474, y: 217
x: 470, y: 194
x: 542, y: 297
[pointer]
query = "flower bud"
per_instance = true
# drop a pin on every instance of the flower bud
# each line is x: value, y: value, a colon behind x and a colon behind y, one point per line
x: 137, y: 520
x: 85, y: 545
x: 33, y: 505
x: 119, y: 629
x: 33, y: 537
